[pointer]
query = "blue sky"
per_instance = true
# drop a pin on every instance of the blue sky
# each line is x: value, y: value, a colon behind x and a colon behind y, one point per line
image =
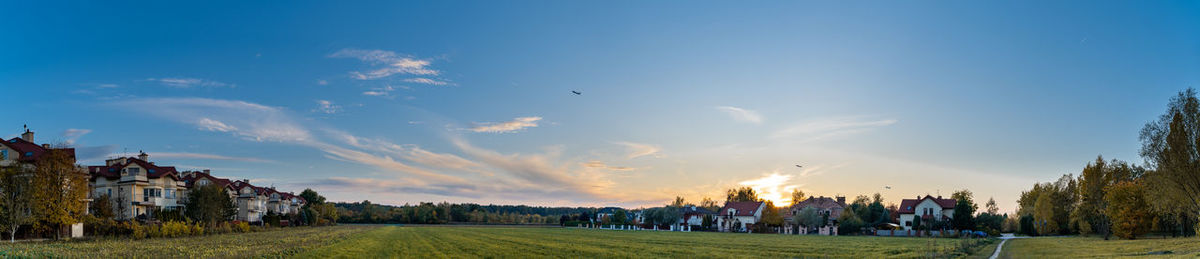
x: 400, y: 102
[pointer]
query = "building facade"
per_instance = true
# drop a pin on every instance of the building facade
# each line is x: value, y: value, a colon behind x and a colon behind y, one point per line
x: 926, y: 209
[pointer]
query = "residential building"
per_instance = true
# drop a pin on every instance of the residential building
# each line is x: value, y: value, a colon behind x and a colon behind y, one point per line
x: 829, y: 208
x: 23, y: 151
x: 928, y: 209
x: 193, y: 179
x: 136, y: 186
x: 694, y: 216
x: 738, y: 216
x: 251, y: 201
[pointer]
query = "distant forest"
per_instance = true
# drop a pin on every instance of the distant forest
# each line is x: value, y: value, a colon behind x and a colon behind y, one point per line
x: 443, y: 213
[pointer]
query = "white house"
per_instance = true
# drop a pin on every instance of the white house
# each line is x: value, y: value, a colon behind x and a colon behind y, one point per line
x: 136, y: 186
x: 737, y: 216
x: 927, y: 209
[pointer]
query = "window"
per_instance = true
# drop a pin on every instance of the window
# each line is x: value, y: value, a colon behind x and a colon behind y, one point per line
x: 28, y: 153
x: 908, y: 223
x: 109, y: 192
x: 134, y: 170
x: 4, y: 154
x: 151, y: 171
x: 151, y: 193
x: 170, y: 193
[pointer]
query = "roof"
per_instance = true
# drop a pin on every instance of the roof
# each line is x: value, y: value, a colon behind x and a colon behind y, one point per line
x: 821, y: 202
x: 196, y: 176
x: 695, y: 210
x: 23, y: 146
x: 741, y: 208
x: 907, y: 205
x: 152, y: 171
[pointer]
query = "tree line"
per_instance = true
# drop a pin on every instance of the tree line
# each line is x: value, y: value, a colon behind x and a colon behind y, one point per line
x: 1113, y: 197
x: 445, y: 212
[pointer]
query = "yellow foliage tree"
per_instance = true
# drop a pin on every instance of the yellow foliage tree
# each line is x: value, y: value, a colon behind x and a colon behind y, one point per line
x: 1128, y: 210
x: 62, y: 188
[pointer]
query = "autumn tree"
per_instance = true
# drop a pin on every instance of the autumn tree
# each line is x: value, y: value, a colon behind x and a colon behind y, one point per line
x: 771, y: 216
x: 678, y: 202
x: 741, y: 194
x: 710, y: 204
x: 1044, y: 215
x: 1128, y: 209
x: 1170, y: 146
x: 15, y: 201
x: 102, y: 207
x: 797, y: 196
x: 61, y: 191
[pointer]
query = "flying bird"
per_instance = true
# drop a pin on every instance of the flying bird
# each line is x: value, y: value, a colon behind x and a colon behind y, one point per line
x: 887, y: 187
x: 576, y: 93
x: 799, y: 166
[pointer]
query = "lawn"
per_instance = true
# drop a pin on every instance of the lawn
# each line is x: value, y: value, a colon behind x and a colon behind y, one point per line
x: 1094, y: 247
x: 457, y: 242
x: 275, y: 243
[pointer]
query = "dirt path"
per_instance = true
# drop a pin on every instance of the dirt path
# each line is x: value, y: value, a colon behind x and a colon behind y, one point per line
x: 1003, y: 239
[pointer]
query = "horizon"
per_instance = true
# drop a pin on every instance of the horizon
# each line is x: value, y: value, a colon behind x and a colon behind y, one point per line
x: 587, y: 105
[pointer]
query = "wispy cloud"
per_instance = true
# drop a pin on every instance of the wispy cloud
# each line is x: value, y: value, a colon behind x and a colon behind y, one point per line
x: 635, y: 150
x: 741, y: 114
x: 421, y: 80
x: 508, y: 126
x: 250, y: 121
x: 71, y: 135
x: 385, y: 91
x: 184, y: 155
x: 389, y: 63
x: 327, y: 107
x: 602, y: 165
x: 185, y: 82
x: 830, y: 128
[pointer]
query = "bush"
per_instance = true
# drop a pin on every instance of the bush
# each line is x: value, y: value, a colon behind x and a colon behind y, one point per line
x: 197, y: 229
x: 136, y: 231
x: 242, y: 227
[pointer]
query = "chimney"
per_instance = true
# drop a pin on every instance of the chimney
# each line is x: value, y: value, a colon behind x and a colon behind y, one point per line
x: 939, y: 197
x: 841, y: 199
x: 206, y: 171
x: 143, y: 156
x: 27, y: 136
x: 46, y: 146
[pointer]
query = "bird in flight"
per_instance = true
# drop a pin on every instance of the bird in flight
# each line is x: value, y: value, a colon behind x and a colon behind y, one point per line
x: 799, y: 166
x: 576, y: 93
x: 887, y: 187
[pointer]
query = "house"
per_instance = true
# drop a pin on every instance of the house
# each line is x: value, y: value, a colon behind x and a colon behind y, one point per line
x: 193, y: 179
x: 829, y: 207
x: 738, y: 216
x: 928, y: 209
x: 693, y: 216
x: 251, y: 201
x: 137, y: 186
x: 23, y: 151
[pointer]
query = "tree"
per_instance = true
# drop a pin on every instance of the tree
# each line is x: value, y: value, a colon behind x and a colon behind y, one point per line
x: 678, y: 203
x: 61, y: 190
x: 210, y: 204
x: 741, y: 194
x: 102, y: 207
x: 771, y: 216
x: 809, y: 217
x: 14, y: 203
x: 1043, y: 215
x: 991, y: 208
x: 1170, y: 146
x: 311, y: 197
x: 619, y: 217
x: 710, y: 204
x: 849, y: 223
x: 1128, y: 209
x: 797, y: 196
x: 964, y: 210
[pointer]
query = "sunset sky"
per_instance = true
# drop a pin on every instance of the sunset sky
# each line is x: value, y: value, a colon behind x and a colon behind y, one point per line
x: 465, y: 101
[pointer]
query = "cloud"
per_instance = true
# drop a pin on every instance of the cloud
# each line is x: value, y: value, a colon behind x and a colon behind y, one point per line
x: 774, y: 187
x: 389, y: 63
x: 174, y: 155
x: 322, y: 82
x: 742, y: 115
x: 214, y: 125
x: 830, y: 128
x: 74, y: 134
x: 414, y: 153
x: 635, y: 150
x: 385, y: 91
x: 249, y: 121
x: 427, y: 81
x: 188, y: 82
x: 508, y: 126
x: 327, y: 107
x: 602, y: 165
x: 94, y: 153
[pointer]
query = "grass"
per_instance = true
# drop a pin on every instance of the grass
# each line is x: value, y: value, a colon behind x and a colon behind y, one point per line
x: 276, y: 243
x: 1095, y: 247
x: 458, y: 242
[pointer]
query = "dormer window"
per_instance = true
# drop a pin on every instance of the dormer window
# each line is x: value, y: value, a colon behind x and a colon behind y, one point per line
x: 150, y: 170
x: 134, y: 170
x: 28, y: 153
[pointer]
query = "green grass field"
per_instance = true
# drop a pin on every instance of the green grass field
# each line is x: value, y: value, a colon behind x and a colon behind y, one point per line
x: 455, y: 242
x: 1094, y: 247
x: 467, y: 241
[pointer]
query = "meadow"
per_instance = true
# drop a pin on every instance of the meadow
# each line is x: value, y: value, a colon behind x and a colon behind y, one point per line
x: 1095, y: 247
x: 388, y: 241
x: 274, y: 243
x: 457, y: 242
